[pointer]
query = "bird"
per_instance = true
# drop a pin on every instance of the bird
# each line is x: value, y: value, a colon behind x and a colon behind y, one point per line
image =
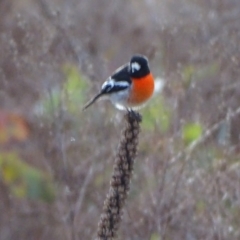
x: 129, y: 87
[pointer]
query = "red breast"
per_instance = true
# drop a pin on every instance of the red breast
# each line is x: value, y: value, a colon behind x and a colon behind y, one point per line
x: 142, y: 89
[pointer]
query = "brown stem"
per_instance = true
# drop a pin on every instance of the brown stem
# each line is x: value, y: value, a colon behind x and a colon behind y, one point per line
x: 120, y: 180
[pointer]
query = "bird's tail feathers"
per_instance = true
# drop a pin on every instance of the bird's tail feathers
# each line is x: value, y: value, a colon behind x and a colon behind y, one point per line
x: 93, y: 100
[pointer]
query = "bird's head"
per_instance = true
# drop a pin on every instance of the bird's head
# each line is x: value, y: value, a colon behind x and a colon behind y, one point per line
x: 138, y: 66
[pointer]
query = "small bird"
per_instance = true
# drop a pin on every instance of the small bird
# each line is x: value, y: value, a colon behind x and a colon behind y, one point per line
x: 129, y: 87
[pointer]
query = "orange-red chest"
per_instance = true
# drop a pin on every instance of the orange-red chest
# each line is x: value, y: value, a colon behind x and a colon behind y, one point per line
x: 142, y: 89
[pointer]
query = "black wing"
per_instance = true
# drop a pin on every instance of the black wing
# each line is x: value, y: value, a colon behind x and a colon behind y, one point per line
x: 119, y: 81
x: 122, y: 74
x: 111, y: 86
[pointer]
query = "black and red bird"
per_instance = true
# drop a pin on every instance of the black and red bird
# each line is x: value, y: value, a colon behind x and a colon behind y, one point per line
x: 129, y: 87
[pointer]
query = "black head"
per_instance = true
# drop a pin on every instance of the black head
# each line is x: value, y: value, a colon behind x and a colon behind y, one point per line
x: 138, y: 66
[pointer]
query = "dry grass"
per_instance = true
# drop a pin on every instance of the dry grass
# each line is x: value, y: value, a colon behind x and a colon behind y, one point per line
x: 175, y: 194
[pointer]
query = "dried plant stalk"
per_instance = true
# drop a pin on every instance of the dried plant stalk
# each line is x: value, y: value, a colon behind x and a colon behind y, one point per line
x: 120, y: 180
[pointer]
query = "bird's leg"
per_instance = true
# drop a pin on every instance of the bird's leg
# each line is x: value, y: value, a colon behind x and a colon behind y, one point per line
x: 134, y: 115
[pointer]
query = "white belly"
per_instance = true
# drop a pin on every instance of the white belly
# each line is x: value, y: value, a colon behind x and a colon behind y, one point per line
x: 119, y: 99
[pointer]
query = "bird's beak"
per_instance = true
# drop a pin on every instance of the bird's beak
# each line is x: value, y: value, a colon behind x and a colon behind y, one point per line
x: 93, y: 100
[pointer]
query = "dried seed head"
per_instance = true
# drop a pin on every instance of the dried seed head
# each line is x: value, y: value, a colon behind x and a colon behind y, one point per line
x: 121, y: 178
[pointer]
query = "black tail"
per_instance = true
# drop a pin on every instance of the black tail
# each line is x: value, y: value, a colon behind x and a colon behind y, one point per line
x: 93, y: 100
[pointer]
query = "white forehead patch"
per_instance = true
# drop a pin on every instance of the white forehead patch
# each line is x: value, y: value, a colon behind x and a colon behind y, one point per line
x: 135, y: 67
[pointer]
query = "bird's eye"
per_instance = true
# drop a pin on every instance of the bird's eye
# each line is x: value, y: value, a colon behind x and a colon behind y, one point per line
x: 135, y: 67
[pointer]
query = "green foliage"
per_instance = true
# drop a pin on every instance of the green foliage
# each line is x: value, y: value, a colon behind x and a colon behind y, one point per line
x: 191, y: 132
x: 74, y: 88
x: 50, y: 103
x: 155, y: 236
x: 188, y: 74
x: 156, y: 115
x: 192, y: 73
x: 24, y: 180
x: 200, y: 207
x: 70, y: 96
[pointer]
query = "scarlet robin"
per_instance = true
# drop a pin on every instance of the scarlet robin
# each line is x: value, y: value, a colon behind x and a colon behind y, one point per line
x: 129, y: 87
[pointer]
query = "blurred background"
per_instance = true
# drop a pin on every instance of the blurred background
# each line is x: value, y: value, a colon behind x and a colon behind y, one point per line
x: 56, y: 161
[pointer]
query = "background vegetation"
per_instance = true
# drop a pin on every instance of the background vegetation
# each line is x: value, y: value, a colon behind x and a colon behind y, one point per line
x: 56, y: 161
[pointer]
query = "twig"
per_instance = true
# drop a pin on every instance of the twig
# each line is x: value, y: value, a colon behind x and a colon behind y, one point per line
x: 187, y: 153
x: 80, y: 199
x: 208, y: 133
